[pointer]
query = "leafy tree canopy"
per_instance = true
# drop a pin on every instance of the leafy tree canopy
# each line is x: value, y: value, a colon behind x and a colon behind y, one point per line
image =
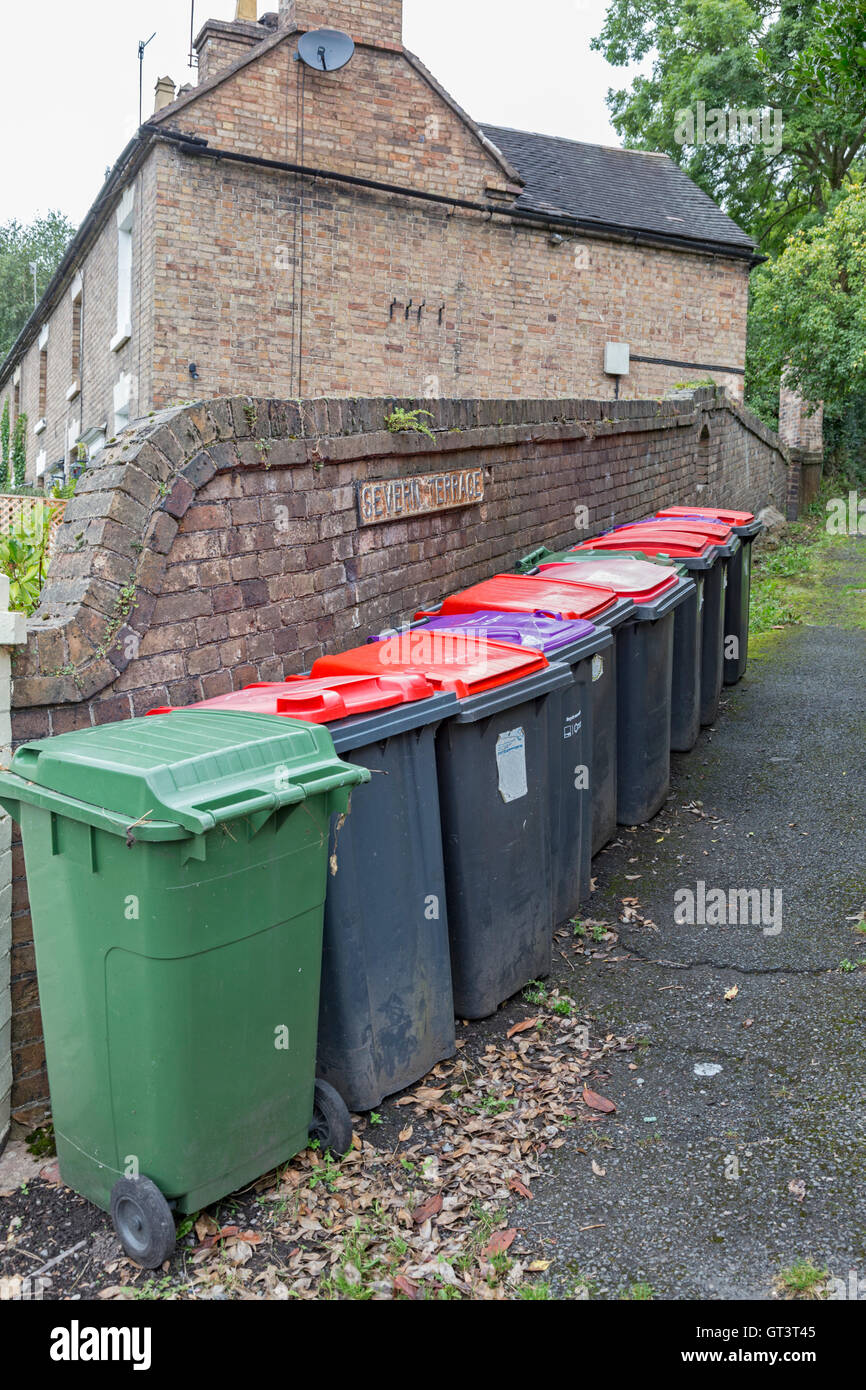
x: 44, y: 242
x: 805, y: 59
x: 809, y: 310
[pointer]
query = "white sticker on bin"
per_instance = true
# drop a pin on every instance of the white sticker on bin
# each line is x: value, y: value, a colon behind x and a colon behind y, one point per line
x: 511, y: 762
x: 597, y: 668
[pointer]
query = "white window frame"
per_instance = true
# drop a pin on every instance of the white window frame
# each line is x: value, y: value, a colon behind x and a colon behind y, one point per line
x: 41, y: 424
x: 76, y: 296
x: 73, y: 435
x: 122, y: 402
x: 94, y: 440
x: 125, y: 220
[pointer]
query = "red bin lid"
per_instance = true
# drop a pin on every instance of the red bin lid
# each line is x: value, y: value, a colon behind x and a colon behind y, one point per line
x: 717, y: 531
x: 322, y: 701
x: 713, y: 513
x: 526, y: 593
x: 628, y: 578
x: 463, y: 663
x: 653, y: 540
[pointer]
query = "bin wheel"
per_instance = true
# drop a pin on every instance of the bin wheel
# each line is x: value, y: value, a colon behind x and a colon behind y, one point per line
x: 143, y: 1221
x: 332, y: 1123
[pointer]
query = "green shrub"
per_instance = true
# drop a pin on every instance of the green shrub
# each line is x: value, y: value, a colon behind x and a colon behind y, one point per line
x: 24, y: 559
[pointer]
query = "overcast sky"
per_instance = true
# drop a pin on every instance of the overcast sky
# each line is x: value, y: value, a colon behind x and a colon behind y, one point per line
x: 69, y: 87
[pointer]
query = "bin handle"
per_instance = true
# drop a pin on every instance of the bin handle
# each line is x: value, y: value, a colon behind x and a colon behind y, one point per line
x: 534, y: 556
x: 302, y: 785
x: 314, y: 783
x: 245, y: 803
x: 25, y: 758
x: 325, y: 701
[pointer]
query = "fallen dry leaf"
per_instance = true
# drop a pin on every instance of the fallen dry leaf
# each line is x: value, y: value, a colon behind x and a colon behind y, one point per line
x: 597, y: 1102
x: 538, y: 1266
x: 598, y: 1170
x: 732, y: 993
x: 407, y: 1287
x: 797, y: 1188
x: 522, y: 1027
x: 498, y: 1243
x: 425, y: 1095
x: 515, y: 1185
x: 428, y: 1209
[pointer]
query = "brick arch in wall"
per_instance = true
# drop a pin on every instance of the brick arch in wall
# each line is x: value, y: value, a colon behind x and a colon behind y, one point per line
x: 167, y: 538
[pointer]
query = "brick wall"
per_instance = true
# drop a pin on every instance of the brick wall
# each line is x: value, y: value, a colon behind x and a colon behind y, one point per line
x: 220, y: 44
x: 504, y: 313
x: 376, y: 21
x: 798, y: 429
x: 233, y: 525
x: 802, y: 434
x: 13, y: 632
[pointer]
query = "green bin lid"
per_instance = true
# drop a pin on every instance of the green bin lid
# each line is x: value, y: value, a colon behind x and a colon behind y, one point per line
x: 189, y: 770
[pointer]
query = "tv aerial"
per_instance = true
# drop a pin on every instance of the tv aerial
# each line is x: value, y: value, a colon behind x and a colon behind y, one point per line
x: 325, y: 50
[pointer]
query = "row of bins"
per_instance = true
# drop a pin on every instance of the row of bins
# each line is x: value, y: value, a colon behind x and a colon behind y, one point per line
x: 490, y: 751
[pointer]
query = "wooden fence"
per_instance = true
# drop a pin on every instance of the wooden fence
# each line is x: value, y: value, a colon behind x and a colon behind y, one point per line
x: 33, y: 512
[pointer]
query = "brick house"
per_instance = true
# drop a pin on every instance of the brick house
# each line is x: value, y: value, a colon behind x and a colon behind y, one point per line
x: 284, y: 232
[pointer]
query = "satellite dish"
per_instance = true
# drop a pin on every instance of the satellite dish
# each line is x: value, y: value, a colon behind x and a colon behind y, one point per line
x: 326, y: 50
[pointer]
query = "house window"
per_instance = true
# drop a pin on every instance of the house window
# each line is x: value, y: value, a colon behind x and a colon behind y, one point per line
x: 73, y: 435
x: 42, y: 410
x: 92, y: 442
x: 125, y: 213
x: 77, y: 302
x: 122, y: 402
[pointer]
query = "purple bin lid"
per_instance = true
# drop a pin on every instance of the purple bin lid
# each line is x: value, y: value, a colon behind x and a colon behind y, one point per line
x: 538, y: 631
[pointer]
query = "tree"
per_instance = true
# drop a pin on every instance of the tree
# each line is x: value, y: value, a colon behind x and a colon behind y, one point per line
x: 809, y: 311
x: 44, y: 243
x: 4, y: 446
x: 782, y: 85
x: 19, y: 451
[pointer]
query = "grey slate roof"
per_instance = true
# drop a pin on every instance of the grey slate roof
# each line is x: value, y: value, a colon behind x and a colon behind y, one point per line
x: 614, y: 187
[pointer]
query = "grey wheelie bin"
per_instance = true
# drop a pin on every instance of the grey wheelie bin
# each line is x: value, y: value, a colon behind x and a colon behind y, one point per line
x: 747, y: 527
x: 386, y: 1015
x: 494, y: 771
x: 584, y: 648
x: 688, y: 632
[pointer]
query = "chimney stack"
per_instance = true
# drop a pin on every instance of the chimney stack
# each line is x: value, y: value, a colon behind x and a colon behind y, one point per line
x: 164, y: 94
x: 368, y: 21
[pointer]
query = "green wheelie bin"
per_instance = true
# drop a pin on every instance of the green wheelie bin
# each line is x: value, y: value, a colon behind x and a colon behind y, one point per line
x: 177, y: 869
